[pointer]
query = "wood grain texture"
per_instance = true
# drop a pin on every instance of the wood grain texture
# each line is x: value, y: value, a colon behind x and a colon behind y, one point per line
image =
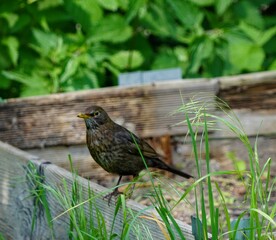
x: 254, y: 91
x: 250, y: 79
x: 17, y: 206
x: 51, y: 120
x: 258, y: 122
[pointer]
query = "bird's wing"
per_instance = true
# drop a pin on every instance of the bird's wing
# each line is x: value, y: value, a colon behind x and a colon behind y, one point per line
x: 126, y: 139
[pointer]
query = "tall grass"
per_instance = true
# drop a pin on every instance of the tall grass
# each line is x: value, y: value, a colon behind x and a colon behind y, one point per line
x: 259, y: 185
x: 38, y: 193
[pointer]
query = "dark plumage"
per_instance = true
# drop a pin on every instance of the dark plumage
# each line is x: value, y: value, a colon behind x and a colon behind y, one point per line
x: 113, y: 148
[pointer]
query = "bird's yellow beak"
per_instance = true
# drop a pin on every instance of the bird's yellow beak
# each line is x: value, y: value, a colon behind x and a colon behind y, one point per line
x: 82, y: 115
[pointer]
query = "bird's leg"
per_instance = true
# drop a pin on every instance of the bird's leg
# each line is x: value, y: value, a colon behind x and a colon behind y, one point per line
x: 115, y: 191
x: 130, y: 187
x: 133, y: 185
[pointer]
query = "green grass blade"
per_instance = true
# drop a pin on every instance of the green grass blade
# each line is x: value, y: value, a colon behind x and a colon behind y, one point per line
x: 214, y: 222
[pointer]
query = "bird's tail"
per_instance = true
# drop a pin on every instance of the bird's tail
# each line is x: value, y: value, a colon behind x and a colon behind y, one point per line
x: 161, y: 165
x: 177, y: 172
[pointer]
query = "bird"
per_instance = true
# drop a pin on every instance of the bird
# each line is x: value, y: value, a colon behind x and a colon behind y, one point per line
x: 117, y: 150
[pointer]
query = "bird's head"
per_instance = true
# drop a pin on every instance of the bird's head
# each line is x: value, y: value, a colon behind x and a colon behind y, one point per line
x: 94, y: 117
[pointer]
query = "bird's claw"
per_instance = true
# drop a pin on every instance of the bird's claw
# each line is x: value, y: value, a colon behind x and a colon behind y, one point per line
x: 115, y: 193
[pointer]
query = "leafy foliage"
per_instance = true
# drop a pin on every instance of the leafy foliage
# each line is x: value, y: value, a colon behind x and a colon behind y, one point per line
x: 50, y: 46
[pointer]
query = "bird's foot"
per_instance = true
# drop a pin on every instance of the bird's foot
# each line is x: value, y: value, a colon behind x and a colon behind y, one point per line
x: 115, y: 193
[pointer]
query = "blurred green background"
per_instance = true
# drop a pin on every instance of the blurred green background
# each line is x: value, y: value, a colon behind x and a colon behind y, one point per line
x: 50, y: 46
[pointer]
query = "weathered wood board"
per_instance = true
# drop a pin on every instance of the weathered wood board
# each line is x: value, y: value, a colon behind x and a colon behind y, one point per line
x: 17, y: 203
x: 51, y: 120
x: 252, y: 123
x: 253, y: 91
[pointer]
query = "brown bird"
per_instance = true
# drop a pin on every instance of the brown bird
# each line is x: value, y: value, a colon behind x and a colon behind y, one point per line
x: 113, y: 147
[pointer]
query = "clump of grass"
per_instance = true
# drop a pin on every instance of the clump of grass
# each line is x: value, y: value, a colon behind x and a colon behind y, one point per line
x: 198, y: 116
x: 86, y: 219
x: 35, y: 180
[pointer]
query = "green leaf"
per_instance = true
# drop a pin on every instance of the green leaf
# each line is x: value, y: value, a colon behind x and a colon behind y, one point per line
x: 113, y: 29
x: 213, y: 67
x: 181, y: 53
x: 85, y: 79
x: 11, y: 18
x: 201, y: 49
x: 134, y: 8
x: 109, y: 4
x: 127, y: 59
x: 9, y: 6
x: 245, y: 55
x: 22, y: 78
x: 123, y: 4
x: 142, y: 45
x: 12, y: 44
x: 99, y: 52
x: 273, y: 65
x: 4, y: 83
x: 34, y: 91
x: 187, y: 13
x: 165, y: 59
x: 222, y: 5
x: 111, y: 68
x: 267, y: 35
x: 45, y: 41
x: 70, y: 69
x: 269, y: 47
x: 23, y: 21
x: 203, y: 3
x: 85, y: 12
x: 32, y: 84
x: 247, y: 11
x: 165, y: 26
x: 93, y: 79
x: 5, y: 61
x: 45, y: 4
x: 250, y: 31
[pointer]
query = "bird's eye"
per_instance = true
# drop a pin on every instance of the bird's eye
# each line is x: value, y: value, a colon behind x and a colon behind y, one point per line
x: 96, y: 113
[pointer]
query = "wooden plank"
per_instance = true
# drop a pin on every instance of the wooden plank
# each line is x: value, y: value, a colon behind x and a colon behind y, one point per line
x: 261, y: 122
x: 83, y: 162
x: 250, y: 79
x: 254, y: 90
x: 51, y: 120
x: 17, y: 205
